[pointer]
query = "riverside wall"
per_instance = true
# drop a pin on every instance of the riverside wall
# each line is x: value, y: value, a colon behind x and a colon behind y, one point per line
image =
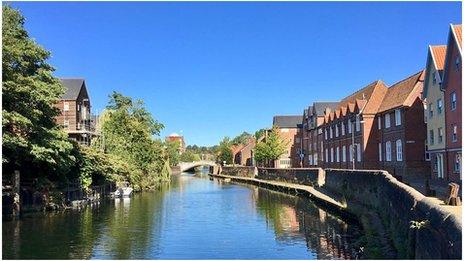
x: 399, y: 221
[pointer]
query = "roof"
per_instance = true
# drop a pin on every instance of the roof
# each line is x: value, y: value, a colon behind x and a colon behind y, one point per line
x: 404, y: 92
x: 73, y: 88
x: 457, y: 30
x: 320, y: 107
x: 438, y: 53
x: 363, y: 94
x: 174, y: 135
x: 290, y: 121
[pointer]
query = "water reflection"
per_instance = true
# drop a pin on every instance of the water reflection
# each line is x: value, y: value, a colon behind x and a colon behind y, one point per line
x: 191, y: 218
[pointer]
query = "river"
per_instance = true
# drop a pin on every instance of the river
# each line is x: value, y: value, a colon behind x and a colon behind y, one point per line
x: 191, y: 218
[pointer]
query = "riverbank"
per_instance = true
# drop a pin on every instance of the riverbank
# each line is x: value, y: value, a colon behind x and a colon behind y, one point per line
x: 401, y: 222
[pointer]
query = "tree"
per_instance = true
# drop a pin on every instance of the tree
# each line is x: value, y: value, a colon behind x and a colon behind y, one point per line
x: 242, y: 138
x: 128, y: 130
x: 30, y: 135
x: 271, y: 148
x: 189, y: 156
x: 225, y: 151
x: 172, y: 148
x: 259, y: 133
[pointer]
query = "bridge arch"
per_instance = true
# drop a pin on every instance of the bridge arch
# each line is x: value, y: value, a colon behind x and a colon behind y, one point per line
x: 185, y: 166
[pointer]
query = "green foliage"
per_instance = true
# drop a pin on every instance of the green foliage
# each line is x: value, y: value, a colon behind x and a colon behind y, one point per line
x: 242, y: 138
x: 172, y: 149
x: 30, y: 135
x: 128, y: 129
x: 189, y: 156
x: 271, y: 148
x: 225, y: 151
x: 259, y: 133
x: 208, y: 153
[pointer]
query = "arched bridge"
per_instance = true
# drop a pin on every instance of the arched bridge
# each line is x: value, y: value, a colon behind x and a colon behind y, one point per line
x: 184, y: 166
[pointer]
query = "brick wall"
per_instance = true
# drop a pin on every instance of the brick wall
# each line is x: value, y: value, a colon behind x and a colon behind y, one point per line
x: 241, y: 171
x: 305, y: 176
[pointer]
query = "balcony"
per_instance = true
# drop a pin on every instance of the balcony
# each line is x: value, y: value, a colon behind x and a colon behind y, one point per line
x: 86, y: 126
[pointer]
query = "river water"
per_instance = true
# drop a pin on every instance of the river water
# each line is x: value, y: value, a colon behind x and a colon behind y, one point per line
x: 191, y: 218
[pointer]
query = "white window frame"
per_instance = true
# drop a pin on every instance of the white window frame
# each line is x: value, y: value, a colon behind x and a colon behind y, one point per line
x: 337, y: 153
x: 315, y: 158
x: 327, y: 155
x: 399, y: 150
x: 387, y: 121
x: 379, y: 122
x: 358, y: 152
x: 397, y: 117
x: 439, y: 106
x: 351, y: 152
x: 66, y: 106
x: 454, y: 134
x: 349, y: 126
x: 388, y: 151
x: 344, y: 153
x: 336, y: 130
x: 358, y: 123
x: 343, y: 128
x: 380, y: 151
x: 332, y: 154
x: 453, y: 102
x: 331, y: 132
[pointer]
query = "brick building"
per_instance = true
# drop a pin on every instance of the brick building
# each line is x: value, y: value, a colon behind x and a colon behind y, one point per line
x: 243, y: 153
x: 311, y: 134
x: 290, y: 131
x: 434, y: 114
x: 348, y: 136
x: 176, y: 137
x: 401, y: 129
x: 452, y: 86
x: 75, y: 115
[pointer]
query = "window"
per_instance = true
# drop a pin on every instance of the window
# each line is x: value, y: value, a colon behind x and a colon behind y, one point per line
x: 78, y: 107
x: 309, y: 147
x: 439, y: 106
x: 387, y: 120
x: 431, y: 137
x: 336, y: 130
x: 358, y: 123
x: 297, y: 140
x: 331, y: 154
x: 457, y: 163
x: 66, y: 124
x: 326, y: 155
x: 315, y: 158
x: 338, y: 154
x: 66, y: 106
x: 310, y: 159
x: 397, y: 117
x: 358, y: 152
x: 399, y: 151
x: 351, y: 152
x: 430, y: 110
x: 349, y: 126
x: 440, y: 135
x: 380, y: 151
x: 379, y: 122
x: 331, y: 132
x: 454, y: 136
x: 319, y: 131
x: 344, y: 153
x: 325, y: 133
x: 388, y: 153
x: 453, y: 101
x: 343, y: 128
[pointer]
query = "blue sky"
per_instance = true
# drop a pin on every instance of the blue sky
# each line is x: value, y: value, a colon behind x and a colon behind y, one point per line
x: 210, y: 70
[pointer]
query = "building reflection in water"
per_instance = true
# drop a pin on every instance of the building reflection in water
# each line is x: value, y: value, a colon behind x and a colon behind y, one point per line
x: 294, y: 219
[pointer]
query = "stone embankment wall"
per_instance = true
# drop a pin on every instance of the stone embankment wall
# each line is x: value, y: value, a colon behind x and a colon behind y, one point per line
x: 305, y: 176
x: 241, y: 171
x: 402, y: 222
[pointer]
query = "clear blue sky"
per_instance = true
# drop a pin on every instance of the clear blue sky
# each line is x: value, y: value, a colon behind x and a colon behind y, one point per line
x: 217, y: 69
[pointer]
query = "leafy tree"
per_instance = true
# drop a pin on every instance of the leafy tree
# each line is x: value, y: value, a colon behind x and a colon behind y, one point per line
x: 270, y: 149
x: 242, y: 138
x: 225, y: 151
x: 172, y: 148
x: 128, y: 130
x: 259, y: 133
x: 189, y: 156
x: 30, y: 135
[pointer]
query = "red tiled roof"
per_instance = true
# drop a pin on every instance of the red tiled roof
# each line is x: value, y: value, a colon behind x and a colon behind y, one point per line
x: 457, y: 28
x: 438, y: 55
x: 403, y: 93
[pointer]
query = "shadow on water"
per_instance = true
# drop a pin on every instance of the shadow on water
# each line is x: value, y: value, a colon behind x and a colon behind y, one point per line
x: 190, y: 218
